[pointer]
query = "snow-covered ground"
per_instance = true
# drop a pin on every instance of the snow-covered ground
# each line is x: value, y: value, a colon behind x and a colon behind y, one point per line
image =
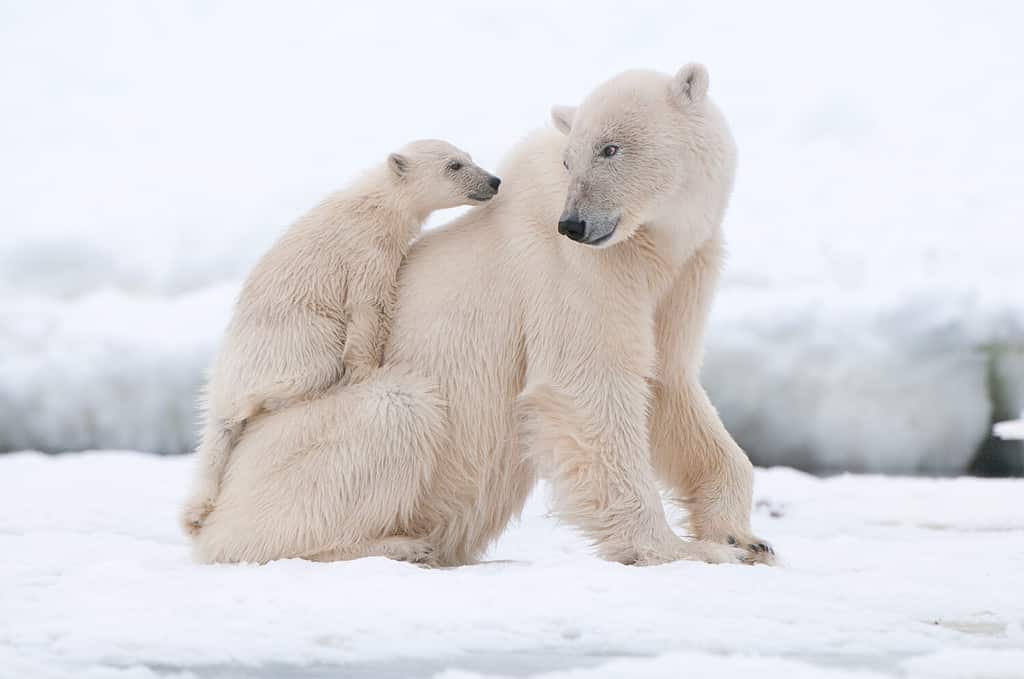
x: 871, y: 315
x: 882, y: 577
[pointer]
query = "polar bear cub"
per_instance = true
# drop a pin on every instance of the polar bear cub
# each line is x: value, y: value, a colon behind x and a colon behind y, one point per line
x: 315, y: 310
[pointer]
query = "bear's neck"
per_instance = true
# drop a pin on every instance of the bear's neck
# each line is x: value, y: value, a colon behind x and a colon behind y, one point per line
x: 650, y: 260
x: 387, y: 204
x: 689, y: 218
x: 679, y: 237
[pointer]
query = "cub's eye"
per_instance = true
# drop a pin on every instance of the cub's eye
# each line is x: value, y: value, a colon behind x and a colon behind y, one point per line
x: 565, y: 164
x: 455, y: 166
x: 609, y: 151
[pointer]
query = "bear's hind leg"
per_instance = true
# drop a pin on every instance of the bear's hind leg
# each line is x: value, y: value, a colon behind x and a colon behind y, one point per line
x: 318, y: 478
x: 397, y: 547
x: 218, y: 439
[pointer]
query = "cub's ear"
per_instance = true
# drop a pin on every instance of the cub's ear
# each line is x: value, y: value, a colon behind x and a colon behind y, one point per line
x: 562, y: 117
x: 398, y: 164
x: 690, y: 84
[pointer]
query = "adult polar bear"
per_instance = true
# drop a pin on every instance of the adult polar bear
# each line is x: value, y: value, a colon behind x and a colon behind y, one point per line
x: 517, y: 352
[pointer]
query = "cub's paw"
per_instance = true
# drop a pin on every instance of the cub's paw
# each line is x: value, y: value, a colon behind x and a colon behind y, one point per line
x: 194, y: 514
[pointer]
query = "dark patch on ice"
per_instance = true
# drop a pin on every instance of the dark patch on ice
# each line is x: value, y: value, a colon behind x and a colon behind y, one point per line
x: 772, y: 508
x: 998, y: 458
x: 515, y: 664
x: 526, y: 663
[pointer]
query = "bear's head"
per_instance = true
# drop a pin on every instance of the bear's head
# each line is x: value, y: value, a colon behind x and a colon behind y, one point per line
x: 436, y: 175
x: 641, y: 150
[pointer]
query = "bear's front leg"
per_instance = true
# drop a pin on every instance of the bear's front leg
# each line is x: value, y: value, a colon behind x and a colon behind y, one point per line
x: 602, y: 482
x: 695, y: 456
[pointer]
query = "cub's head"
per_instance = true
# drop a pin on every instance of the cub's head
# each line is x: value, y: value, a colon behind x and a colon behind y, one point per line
x: 437, y: 175
x: 640, y: 148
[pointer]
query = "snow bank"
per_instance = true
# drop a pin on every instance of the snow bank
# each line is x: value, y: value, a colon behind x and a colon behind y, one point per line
x: 868, y: 318
x: 831, y: 381
x: 907, y: 388
x: 109, y: 369
x: 883, y: 577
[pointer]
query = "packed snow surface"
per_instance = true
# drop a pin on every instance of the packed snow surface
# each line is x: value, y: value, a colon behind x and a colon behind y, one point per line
x: 881, y: 577
x: 871, y: 315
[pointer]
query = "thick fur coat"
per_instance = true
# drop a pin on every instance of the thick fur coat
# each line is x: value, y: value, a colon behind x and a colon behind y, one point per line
x: 517, y: 353
x: 315, y: 311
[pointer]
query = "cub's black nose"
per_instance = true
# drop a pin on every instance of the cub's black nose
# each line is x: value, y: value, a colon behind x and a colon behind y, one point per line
x: 495, y: 182
x: 574, y: 229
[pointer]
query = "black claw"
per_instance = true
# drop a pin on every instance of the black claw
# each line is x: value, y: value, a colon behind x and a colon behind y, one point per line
x: 753, y: 548
x: 731, y: 540
x: 764, y: 547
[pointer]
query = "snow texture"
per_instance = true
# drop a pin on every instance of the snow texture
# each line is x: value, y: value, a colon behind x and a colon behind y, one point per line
x: 882, y: 577
x: 871, y: 315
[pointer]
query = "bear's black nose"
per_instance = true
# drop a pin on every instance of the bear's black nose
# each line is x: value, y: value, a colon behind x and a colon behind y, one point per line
x: 495, y: 182
x: 574, y: 229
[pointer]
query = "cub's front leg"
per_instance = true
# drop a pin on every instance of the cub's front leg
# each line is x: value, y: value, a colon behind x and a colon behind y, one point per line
x: 364, y: 342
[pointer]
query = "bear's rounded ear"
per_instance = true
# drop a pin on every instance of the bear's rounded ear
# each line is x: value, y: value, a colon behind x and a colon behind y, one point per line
x: 398, y: 164
x: 690, y: 84
x: 562, y: 117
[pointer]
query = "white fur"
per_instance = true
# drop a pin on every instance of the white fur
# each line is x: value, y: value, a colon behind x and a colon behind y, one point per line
x: 516, y: 353
x: 315, y: 310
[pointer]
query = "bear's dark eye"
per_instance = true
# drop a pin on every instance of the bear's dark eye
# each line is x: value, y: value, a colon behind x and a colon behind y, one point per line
x: 455, y: 166
x: 609, y: 151
x: 565, y: 164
